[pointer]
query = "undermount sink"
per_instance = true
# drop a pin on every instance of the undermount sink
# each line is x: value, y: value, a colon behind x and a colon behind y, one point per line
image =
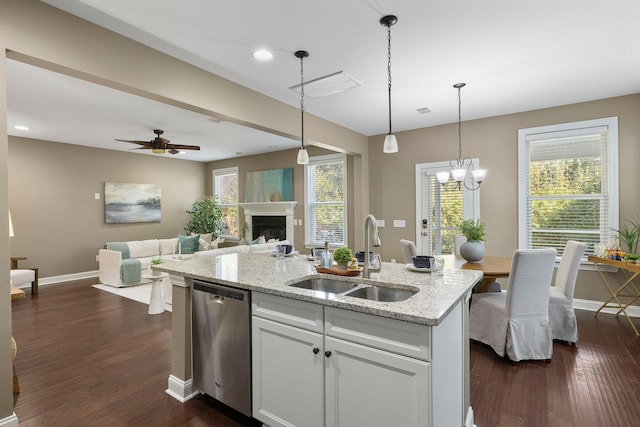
x: 380, y: 293
x: 325, y: 285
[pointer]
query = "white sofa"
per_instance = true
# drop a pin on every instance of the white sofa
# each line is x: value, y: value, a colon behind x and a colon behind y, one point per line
x: 110, y: 261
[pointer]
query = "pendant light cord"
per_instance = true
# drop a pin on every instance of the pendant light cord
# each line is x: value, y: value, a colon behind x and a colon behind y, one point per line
x: 459, y: 127
x: 389, y: 70
x: 302, y: 100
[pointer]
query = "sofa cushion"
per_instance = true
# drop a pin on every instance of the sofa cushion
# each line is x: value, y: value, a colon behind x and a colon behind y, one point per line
x: 168, y: 246
x: 266, y: 247
x: 207, y: 237
x: 144, y: 248
x: 188, y: 244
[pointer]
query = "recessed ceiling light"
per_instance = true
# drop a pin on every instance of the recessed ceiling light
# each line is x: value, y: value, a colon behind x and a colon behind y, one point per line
x: 21, y: 127
x: 263, y: 55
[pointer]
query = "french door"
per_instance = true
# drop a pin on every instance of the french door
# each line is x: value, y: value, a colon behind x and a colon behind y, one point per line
x: 438, y: 210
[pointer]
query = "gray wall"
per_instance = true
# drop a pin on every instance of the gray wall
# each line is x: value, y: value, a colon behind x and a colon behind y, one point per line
x: 58, y: 223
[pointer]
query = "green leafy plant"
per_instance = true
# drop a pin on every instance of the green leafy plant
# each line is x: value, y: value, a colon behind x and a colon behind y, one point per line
x: 156, y: 260
x: 630, y: 235
x: 472, y: 229
x: 342, y: 255
x: 206, y: 216
x: 244, y: 230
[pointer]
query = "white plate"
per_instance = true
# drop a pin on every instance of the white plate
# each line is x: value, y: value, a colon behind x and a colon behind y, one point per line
x: 292, y: 253
x: 419, y: 270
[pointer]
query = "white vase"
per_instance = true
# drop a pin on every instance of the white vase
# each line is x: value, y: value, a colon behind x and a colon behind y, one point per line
x: 472, y: 250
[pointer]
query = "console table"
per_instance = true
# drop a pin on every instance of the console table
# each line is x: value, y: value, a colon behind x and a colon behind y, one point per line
x: 628, y: 291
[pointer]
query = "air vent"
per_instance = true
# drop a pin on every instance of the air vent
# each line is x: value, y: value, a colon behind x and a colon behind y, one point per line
x: 328, y: 85
x: 423, y: 110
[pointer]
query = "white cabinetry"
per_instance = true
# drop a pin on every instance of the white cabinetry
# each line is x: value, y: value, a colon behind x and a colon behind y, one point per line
x: 323, y: 366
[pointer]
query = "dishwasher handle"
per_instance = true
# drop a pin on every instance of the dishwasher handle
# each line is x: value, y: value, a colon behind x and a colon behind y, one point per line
x: 220, y: 292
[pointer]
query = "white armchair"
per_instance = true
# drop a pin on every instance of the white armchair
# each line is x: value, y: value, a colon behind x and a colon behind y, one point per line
x: 516, y: 322
x: 23, y: 277
x: 561, y: 312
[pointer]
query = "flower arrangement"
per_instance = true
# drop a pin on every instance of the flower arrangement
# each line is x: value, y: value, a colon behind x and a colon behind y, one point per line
x: 472, y: 229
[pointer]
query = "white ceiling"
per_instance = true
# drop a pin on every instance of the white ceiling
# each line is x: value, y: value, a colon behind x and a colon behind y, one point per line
x: 514, y: 56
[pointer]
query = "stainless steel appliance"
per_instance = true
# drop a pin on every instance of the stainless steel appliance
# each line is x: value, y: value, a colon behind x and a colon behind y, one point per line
x: 222, y: 344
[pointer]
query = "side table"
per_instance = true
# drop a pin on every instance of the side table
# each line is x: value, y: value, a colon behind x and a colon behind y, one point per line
x: 156, y: 302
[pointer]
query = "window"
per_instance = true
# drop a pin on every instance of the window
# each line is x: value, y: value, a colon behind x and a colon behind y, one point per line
x: 325, y: 200
x: 225, y: 186
x: 568, y: 184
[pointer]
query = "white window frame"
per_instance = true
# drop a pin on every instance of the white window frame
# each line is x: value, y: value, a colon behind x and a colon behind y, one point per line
x: 568, y: 129
x: 227, y: 171
x: 313, y: 161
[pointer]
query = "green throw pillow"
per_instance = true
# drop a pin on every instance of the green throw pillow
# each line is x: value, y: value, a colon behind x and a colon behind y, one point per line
x: 188, y: 244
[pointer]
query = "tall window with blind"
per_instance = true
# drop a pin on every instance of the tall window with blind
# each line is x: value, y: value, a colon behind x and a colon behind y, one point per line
x: 325, y: 200
x: 225, y: 186
x: 568, y: 184
x: 446, y: 211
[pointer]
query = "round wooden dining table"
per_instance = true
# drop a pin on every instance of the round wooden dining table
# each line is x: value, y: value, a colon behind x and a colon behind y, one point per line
x: 493, y: 267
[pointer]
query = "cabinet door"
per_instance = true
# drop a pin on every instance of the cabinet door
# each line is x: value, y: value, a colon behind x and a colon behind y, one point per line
x: 288, y: 369
x: 370, y: 387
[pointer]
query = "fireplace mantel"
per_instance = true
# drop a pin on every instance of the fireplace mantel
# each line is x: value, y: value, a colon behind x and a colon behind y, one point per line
x: 285, y: 209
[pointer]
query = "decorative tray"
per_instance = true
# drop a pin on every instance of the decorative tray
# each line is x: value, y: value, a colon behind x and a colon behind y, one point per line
x: 338, y: 271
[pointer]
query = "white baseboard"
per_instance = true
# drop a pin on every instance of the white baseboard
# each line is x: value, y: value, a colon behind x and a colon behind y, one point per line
x: 52, y: 280
x: 10, y: 421
x: 591, y: 305
x: 181, y: 390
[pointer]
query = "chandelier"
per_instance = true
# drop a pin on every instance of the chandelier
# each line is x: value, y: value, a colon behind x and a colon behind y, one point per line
x: 461, y: 166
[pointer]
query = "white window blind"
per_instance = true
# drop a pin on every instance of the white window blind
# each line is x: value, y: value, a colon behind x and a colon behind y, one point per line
x: 325, y: 200
x: 225, y: 186
x: 568, y: 184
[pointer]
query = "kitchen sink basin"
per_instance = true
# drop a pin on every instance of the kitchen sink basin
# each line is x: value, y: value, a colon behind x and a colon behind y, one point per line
x: 325, y: 285
x: 380, y: 293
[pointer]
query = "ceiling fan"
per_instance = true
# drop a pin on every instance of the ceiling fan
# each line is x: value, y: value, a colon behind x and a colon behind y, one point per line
x: 160, y: 145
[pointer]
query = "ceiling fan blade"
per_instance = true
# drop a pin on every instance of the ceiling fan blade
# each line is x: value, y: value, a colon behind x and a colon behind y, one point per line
x: 183, y: 147
x: 145, y: 143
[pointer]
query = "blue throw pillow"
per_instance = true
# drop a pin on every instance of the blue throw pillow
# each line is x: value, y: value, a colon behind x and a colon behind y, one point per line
x: 188, y: 244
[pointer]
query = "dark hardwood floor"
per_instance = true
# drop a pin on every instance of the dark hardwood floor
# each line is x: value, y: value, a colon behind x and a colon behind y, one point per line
x: 90, y: 358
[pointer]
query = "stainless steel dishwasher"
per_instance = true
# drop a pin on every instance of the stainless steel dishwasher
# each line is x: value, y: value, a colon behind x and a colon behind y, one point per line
x: 222, y: 344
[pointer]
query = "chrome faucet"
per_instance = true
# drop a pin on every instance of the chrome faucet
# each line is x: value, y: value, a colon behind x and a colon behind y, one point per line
x: 370, y: 225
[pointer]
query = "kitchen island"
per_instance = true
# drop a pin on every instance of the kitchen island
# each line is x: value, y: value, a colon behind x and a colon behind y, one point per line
x: 407, y: 360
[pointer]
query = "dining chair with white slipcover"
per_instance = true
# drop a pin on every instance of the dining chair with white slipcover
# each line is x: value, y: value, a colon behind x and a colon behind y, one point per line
x: 458, y: 240
x: 561, y: 312
x: 516, y: 322
x: 408, y: 250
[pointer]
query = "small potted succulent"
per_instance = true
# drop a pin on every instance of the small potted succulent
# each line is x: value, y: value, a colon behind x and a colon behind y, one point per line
x: 473, y: 249
x: 342, y: 256
x: 155, y: 261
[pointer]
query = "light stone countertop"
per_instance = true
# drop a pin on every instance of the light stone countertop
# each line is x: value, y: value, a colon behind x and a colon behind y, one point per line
x: 263, y: 273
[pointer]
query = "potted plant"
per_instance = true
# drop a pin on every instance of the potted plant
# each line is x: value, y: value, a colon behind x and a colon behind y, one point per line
x: 342, y: 256
x: 243, y: 234
x: 155, y: 261
x: 206, y: 216
x: 629, y: 235
x: 473, y: 249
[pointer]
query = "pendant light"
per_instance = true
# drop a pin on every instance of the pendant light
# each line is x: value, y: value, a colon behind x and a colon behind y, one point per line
x: 461, y: 165
x: 390, y: 143
x: 303, y: 155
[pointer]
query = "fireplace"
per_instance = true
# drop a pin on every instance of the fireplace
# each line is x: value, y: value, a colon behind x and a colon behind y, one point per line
x: 271, y: 227
x: 273, y: 215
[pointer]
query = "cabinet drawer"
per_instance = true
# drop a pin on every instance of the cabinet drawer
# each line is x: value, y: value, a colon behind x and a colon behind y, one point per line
x: 409, y: 339
x: 292, y: 312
